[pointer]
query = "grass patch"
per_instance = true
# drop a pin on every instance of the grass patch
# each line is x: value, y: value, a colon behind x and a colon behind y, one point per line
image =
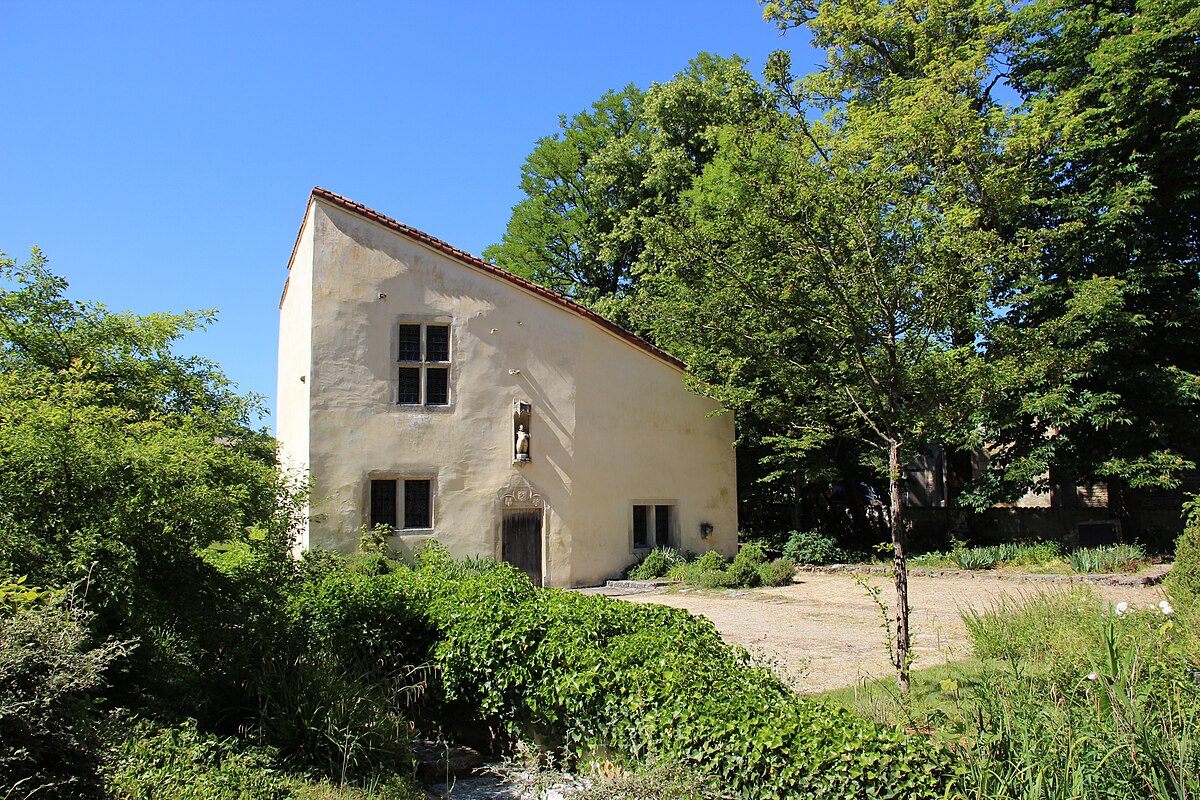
x: 1038, y: 627
x: 1036, y: 557
x: 934, y: 701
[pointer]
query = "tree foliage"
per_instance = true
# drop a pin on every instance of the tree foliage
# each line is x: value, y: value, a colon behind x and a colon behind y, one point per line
x: 1104, y: 329
x: 593, y: 190
x: 836, y: 267
x: 120, y: 461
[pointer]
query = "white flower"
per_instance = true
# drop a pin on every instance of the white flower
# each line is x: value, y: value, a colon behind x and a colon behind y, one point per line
x: 1165, y: 607
x: 1122, y: 607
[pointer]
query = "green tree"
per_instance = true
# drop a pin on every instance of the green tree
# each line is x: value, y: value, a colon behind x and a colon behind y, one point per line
x: 1105, y: 333
x: 574, y: 231
x: 592, y: 190
x: 120, y: 461
x: 838, y: 271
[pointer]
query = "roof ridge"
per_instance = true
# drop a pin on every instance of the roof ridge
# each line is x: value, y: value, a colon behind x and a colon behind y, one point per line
x: 478, y: 263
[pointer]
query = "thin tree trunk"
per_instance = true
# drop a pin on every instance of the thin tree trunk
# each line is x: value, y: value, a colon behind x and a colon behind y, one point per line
x: 900, y: 566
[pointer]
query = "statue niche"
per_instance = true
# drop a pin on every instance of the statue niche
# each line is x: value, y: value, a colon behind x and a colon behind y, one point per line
x: 521, y: 450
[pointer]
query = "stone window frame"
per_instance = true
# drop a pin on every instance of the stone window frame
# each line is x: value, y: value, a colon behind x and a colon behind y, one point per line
x: 671, y: 534
x: 400, y: 479
x: 425, y: 321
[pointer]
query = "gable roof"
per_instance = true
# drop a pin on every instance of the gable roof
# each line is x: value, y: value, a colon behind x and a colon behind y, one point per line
x: 474, y: 262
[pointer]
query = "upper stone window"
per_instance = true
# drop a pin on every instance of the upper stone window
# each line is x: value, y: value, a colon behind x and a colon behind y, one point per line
x: 423, y: 372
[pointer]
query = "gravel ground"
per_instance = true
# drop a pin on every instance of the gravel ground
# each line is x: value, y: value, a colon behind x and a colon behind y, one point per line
x: 824, y: 630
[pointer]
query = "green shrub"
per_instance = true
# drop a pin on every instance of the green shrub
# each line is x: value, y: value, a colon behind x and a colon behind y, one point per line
x: 693, y: 572
x: 336, y: 695
x: 744, y: 569
x: 710, y: 561
x: 1118, y: 558
x: 657, y: 563
x: 591, y: 674
x: 813, y: 547
x: 50, y: 671
x: 777, y: 573
x: 182, y: 763
x: 974, y: 557
x: 716, y: 579
x: 1183, y: 581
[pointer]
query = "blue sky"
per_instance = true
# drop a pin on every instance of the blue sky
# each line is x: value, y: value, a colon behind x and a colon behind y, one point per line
x: 161, y: 153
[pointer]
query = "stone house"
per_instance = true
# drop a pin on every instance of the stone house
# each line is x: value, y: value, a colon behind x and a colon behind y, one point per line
x: 426, y: 390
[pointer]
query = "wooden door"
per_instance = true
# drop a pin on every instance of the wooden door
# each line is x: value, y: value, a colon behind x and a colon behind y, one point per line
x: 521, y: 541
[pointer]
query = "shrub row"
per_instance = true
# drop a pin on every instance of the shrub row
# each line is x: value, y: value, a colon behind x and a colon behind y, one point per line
x: 748, y: 569
x: 1117, y: 558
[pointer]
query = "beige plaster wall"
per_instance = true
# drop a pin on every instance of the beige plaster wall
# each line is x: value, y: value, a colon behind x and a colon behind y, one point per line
x: 294, y: 366
x: 611, y: 425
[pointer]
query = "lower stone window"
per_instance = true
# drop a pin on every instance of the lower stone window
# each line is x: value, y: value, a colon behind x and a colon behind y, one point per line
x: 652, y: 526
x: 407, y: 500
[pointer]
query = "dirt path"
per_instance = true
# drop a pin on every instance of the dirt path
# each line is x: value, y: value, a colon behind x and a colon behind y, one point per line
x: 824, y: 631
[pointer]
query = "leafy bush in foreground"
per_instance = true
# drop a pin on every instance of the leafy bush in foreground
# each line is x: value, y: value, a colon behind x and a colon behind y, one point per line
x: 182, y: 763
x: 50, y: 669
x: 590, y: 673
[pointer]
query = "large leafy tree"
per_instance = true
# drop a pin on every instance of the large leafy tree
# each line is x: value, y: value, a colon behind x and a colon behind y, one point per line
x: 593, y: 189
x: 575, y: 231
x: 120, y: 461
x: 1105, y: 331
x: 836, y: 265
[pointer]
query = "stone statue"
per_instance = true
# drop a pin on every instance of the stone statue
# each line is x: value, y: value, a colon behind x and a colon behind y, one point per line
x: 522, y: 444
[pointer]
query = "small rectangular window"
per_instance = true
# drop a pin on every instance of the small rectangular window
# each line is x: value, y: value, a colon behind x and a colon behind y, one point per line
x: 437, y: 343
x: 410, y: 343
x: 437, y: 386
x: 662, y: 526
x: 383, y: 503
x: 416, y: 504
x: 423, y: 350
x: 408, y: 386
x: 652, y: 525
x: 641, y: 526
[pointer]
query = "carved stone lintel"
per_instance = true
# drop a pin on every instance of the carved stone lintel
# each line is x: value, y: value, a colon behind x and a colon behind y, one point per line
x: 521, y: 495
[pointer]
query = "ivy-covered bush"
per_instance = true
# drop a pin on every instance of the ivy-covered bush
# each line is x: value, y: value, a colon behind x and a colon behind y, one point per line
x: 650, y: 682
x: 182, y: 762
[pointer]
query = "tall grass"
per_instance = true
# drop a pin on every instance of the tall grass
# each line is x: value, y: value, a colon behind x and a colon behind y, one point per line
x: 1036, y: 628
x: 1118, y: 558
x: 1085, y: 702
